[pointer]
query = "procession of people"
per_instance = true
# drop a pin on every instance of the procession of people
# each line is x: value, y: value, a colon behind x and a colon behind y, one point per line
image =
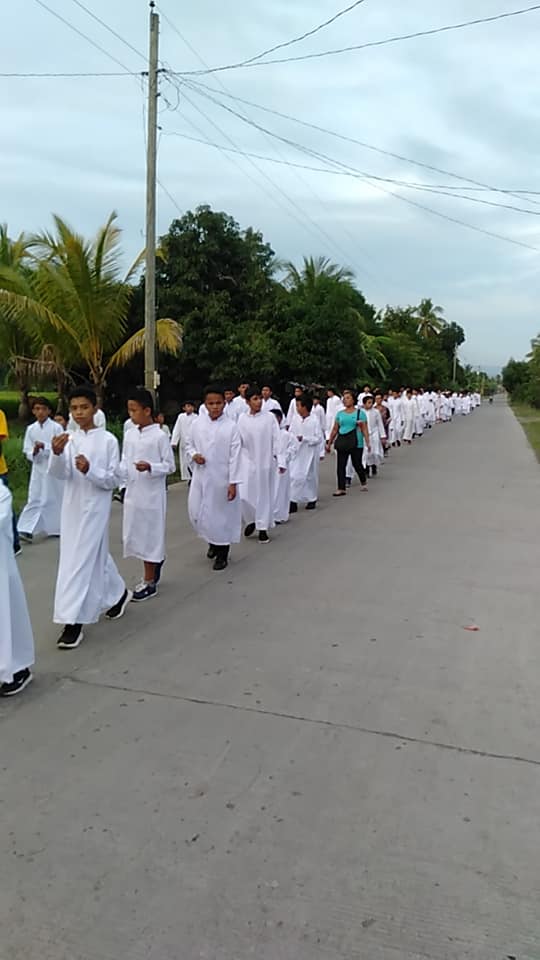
x: 249, y: 465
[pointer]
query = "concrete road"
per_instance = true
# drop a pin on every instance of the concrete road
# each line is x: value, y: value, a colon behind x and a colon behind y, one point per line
x: 307, y: 757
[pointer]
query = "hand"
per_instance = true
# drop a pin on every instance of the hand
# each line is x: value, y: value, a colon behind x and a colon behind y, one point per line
x: 142, y: 466
x: 59, y: 443
x: 198, y: 458
x: 283, y: 470
x: 82, y: 464
x: 231, y: 491
x: 37, y: 447
x: 328, y: 446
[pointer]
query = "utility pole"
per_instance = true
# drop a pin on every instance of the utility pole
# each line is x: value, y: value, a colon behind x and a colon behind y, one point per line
x: 454, y: 368
x: 151, y: 376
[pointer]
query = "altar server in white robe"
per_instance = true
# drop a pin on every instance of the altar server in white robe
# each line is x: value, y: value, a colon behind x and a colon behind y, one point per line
x: 147, y: 460
x: 16, y: 637
x: 319, y: 412
x: 260, y: 441
x: 305, y: 466
x: 88, y: 583
x: 239, y: 405
x: 333, y: 404
x: 409, y: 415
x: 291, y: 412
x: 214, y: 504
x: 180, y: 435
x: 373, y: 456
x: 269, y: 401
x: 100, y: 421
x: 41, y: 515
x: 287, y: 450
x: 418, y: 418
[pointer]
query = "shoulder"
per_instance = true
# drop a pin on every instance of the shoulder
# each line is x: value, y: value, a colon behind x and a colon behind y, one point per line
x: 363, y: 415
x: 110, y: 439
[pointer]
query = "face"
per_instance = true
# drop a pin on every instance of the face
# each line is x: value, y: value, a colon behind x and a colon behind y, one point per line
x: 368, y: 403
x: 255, y: 403
x: 139, y: 415
x: 329, y: 394
x: 378, y: 400
x: 367, y: 388
x: 215, y: 405
x: 316, y: 401
x: 266, y: 393
x: 41, y: 412
x: 82, y: 410
x: 348, y: 399
x: 188, y: 408
x: 61, y: 420
x: 229, y: 395
x: 302, y: 410
x: 242, y: 389
x: 298, y: 392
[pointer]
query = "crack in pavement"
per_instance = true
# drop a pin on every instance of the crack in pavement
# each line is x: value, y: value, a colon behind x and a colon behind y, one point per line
x: 340, y: 725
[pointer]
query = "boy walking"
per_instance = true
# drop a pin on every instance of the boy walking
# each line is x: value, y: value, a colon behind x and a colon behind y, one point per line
x: 305, y: 466
x: 214, y: 449
x: 147, y: 459
x: 180, y: 436
x: 88, y: 583
x: 41, y: 515
x: 260, y: 442
x: 16, y: 638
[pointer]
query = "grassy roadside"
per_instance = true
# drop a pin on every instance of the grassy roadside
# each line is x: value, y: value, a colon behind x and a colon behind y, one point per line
x: 529, y: 418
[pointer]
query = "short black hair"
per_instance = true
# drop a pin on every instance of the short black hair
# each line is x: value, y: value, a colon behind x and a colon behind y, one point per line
x: 142, y: 396
x: 277, y: 413
x: 352, y: 391
x: 305, y: 401
x: 87, y: 392
x: 252, y: 392
x: 191, y: 403
x: 42, y: 402
x: 368, y: 396
x: 214, y: 388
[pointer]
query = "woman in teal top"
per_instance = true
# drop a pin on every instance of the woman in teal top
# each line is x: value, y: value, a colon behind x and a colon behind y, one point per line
x: 347, y: 420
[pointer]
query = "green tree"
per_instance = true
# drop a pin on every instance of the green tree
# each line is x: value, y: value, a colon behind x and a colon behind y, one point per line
x: 429, y: 319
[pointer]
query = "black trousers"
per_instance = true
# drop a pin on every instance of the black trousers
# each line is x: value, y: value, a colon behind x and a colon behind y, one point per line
x: 342, y: 459
x: 221, y: 553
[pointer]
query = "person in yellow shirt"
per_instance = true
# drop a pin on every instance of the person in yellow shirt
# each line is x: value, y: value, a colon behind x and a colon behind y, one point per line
x: 4, y: 434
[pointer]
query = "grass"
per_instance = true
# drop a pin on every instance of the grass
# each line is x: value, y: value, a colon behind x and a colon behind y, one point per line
x: 529, y: 418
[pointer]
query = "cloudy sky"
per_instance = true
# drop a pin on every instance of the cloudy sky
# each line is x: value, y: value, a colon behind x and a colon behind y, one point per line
x: 467, y: 102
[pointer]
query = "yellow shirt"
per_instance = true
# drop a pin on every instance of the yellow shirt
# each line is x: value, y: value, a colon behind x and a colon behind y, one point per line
x: 4, y: 434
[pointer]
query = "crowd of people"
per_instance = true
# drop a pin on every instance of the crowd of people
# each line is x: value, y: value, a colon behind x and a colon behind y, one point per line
x: 249, y: 463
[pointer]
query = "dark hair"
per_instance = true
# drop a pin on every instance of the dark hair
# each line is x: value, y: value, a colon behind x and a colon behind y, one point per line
x: 352, y: 391
x: 268, y: 386
x: 42, y: 402
x: 143, y: 397
x: 87, y: 392
x: 214, y: 388
x: 277, y: 413
x: 305, y: 402
x: 191, y: 403
x: 368, y: 396
x: 252, y: 392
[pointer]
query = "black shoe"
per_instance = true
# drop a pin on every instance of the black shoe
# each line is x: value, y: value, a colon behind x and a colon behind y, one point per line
x: 17, y: 685
x: 293, y: 507
x: 311, y: 506
x: 17, y: 550
x: 263, y: 537
x: 119, y: 609
x: 374, y: 471
x: 220, y: 563
x: 71, y: 636
x: 250, y: 530
x: 26, y: 537
x: 212, y: 551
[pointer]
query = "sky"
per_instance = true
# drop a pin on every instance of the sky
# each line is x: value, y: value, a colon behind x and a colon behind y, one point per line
x: 466, y: 101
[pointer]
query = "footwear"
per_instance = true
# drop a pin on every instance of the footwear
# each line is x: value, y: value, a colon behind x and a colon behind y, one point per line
x: 17, y: 551
x: 312, y: 505
x: 143, y: 591
x: 212, y: 553
x: 158, y: 570
x: 293, y: 507
x: 250, y: 530
x: 340, y: 493
x: 374, y: 471
x: 364, y: 487
x: 220, y: 563
x: 71, y: 636
x: 17, y: 685
x: 119, y: 609
x: 263, y: 537
x: 349, y: 481
x: 26, y: 537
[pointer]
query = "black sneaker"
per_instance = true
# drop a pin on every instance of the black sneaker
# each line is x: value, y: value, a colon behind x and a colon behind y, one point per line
x: 250, y: 530
x: 293, y: 507
x: 17, y: 685
x: 119, y: 609
x: 212, y: 551
x: 263, y: 537
x: 71, y: 636
x: 312, y: 505
x: 220, y: 563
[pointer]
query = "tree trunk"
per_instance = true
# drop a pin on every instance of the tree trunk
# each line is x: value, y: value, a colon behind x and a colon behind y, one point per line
x: 24, y: 411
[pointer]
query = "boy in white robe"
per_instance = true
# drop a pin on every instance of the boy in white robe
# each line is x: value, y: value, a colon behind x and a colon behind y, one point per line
x: 147, y: 460
x: 88, y: 583
x: 16, y: 637
x: 41, y: 515
x: 333, y: 404
x: 291, y: 412
x: 319, y: 412
x: 269, y: 401
x: 260, y: 441
x: 373, y: 455
x: 180, y: 436
x: 239, y: 405
x: 287, y: 451
x: 305, y: 466
x: 214, y: 449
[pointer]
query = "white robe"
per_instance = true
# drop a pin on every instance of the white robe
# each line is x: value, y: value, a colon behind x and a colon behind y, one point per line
x: 100, y: 421
x: 319, y: 412
x: 182, y: 429
x: 88, y: 582
x: 213, y: 517
x: 305, y: 466
x: 409, y: 414
x: 41, y: 515
x: 375, y: 456
x: 260, y: 441
x: 145, y: 502
x: 238, y: 406
x: 333, y: 405
x: 16, y: 637
x: 271, y: 404
x: 291, y: 412
x: 287, y: 450
x: 418, y: 416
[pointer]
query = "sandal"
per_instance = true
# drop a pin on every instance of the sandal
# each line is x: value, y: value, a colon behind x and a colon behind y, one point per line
x: 340, y: 493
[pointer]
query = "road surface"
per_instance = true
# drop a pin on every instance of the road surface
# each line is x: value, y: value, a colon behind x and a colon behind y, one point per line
x: 307, y: 757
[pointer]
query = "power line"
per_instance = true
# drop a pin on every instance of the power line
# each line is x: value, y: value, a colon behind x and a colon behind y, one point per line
x: 360, y: 143
x: 110, y: 29
x: 60, y: 76
x: 255, y: 62
x: 84, y: 36
x: 391, y: 193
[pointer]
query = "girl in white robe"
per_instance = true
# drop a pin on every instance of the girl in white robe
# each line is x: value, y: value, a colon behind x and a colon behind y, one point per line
x: 305, y: 466
x: 180, y: 437
x: 88, y: 583
x: 373, y: 456
x: 260, y: 441
x: 287, y: 450
x: 41, y: 515
x: 214, y: 449
x: 16, y: 637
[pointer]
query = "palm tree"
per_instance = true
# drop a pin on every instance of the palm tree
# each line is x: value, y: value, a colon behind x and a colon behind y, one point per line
x: 16, y: 342
x: 312, y: 271
x: 78, y: 300
x: 429, y: 318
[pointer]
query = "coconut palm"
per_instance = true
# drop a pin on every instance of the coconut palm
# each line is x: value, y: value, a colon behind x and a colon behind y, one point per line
x: 17, y: 344
x: 78, y: 299
x: 313, y: 270
x: 429, y: 319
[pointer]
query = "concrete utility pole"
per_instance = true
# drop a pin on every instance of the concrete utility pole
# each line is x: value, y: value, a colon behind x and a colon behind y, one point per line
x: 151, y: 376
x: 454, y: 369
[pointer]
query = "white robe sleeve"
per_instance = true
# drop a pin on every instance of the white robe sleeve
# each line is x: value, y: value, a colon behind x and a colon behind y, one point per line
x: 106, y: 477
x: 235, y: 457
x: 28, y: 445
x: 166, y: 465
x: 177, y: 431
x: 60, y: 466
